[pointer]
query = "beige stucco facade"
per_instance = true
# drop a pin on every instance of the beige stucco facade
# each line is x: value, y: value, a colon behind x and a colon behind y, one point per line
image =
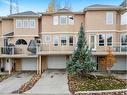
x: 94, y: 22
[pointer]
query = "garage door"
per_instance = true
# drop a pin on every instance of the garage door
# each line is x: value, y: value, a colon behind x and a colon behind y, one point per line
x: 121, y: 63
x: 56, y: 62
x: 29, y: 64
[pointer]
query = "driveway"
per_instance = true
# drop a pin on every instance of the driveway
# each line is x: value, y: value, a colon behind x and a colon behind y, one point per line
x: 14, y: 82
x: 53, y: 82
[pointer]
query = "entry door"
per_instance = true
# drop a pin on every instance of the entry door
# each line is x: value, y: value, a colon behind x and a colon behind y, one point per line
x: 100, y: 66
x: 93, y: 42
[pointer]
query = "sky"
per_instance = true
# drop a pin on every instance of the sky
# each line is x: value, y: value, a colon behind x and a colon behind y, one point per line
x: 41, y: 5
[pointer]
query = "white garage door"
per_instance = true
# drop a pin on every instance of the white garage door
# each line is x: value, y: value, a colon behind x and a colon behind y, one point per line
x: 29, y: 64
x: 56, y: 62
x: 121, y: 63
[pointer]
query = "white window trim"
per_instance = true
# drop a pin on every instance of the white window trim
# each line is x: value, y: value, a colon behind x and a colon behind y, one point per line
x: 107, y: 38
x: 54, y: 20
x: 94, y: 41
x: 55, y: 38
x: 66, y: 20
x: 27, y: 23
x: 121, y: 37
x: 66, y: 40
x: 19, y: 21
x: 45, y: 40
x: 104, y: 40
x: 32, y: 20
x: 111, y: 18
x: 73, y: 21
x: 124, y: 19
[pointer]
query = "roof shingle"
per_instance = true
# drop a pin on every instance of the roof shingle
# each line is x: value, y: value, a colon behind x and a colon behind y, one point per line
x: 27, y: 13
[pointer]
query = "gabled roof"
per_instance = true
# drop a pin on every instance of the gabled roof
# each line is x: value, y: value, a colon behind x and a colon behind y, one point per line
x: 27, y: 13
x: 61, y: 11
x: 64, y: 10
x: 102, y: 7
x: 124, y: 3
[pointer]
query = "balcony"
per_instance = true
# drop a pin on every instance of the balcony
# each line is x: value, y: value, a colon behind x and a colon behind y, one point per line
x: 16, y: 52
x: 49, y: 49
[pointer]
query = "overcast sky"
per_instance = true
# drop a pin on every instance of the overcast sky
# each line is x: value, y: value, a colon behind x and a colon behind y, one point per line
x: 41, y: 5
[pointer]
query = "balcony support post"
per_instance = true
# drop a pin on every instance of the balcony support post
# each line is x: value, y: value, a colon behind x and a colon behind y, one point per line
x: 10, y: 66
x: 37, y: 65
x: 40, y: 67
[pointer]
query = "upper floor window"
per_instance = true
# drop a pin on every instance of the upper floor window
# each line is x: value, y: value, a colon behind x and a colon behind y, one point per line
x: 71, y: 40
x: 25, y: 23
x: 47, y: 39
x: 63, y: 20
x: 101, y: 39
x: 124, y: 19
x: 109, y: 39
x: 21, y: 42
x: 63, y: 40
x: 19, y: 24
x: 124, y: 39
x: 55, y: 20
x: 32, y: 23
x: 56, y: 40
x: 70, y: 20
x: 109, y: 18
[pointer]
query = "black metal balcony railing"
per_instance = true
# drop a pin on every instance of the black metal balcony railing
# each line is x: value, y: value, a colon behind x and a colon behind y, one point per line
x: 16, y: 50
x: 67, y: 47
x: 50, y: 47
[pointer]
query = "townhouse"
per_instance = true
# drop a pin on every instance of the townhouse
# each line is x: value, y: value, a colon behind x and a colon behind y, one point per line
x: 36, y: 42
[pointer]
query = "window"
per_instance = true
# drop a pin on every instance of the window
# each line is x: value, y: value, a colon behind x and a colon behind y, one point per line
x: 101, y: 40
x: 70, y: 20
x: 124, y: 19
x: 63, y: 20
x: 63, y: 40
x: 19, y: 24
x: 109, y: 39
x: 109, y: 18
x: 55, y: 40
x: 21, y: 42
x: 71, y: 40
x: 92, y: 42
x: 47, y: 39
x: 32, y: 23
x: 124, y: 40
x: 55, y: 20
x: 25, y: 23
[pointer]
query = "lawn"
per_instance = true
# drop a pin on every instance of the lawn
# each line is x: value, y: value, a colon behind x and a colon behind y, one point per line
x: 3, y: 77
x: 95, y: 83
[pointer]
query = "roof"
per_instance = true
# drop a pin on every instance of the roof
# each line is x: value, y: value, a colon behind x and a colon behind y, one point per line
x: 27, y: 13
x: 62, y: 11
x: 102, y: 7
x: 124, y: 3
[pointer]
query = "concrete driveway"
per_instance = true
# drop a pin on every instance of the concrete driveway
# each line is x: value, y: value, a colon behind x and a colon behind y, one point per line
x: 53, y: 82
x: 14, y: 82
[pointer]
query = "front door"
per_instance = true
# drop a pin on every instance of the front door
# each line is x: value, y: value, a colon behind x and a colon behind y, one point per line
x: 100, y: 66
